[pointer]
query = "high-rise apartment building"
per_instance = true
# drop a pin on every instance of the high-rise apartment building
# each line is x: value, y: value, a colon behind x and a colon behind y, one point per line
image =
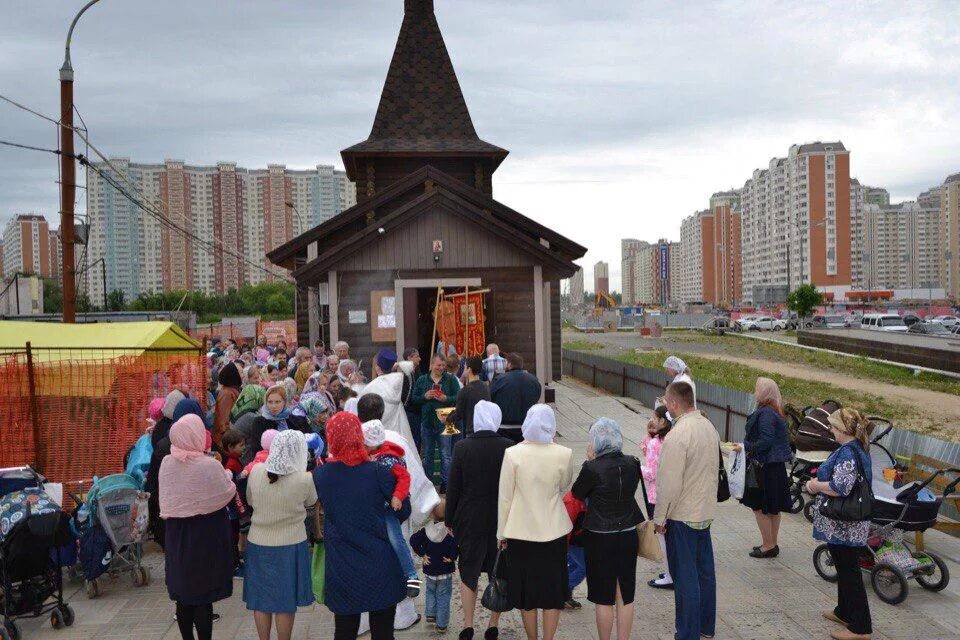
x: 26, y: 247
x: 720, y: 244
x: 241, y: 212
x: 950, y: 235
x: 601, y: 277
x: 576, y: 288
x: 902, y: 244
x: 653, y: 272
x: 688, y: 277
x: 857, y: 238
x: 797, y: 222
x: 875, y: 195
x: 628, y: 254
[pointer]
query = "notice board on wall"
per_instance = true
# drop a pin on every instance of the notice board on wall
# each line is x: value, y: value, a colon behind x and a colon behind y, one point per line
x: 383, y: 316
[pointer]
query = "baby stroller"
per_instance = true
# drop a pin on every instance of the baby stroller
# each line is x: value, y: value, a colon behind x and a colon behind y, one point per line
x: 33, y: 529
x: 112, y: 531
x: 887, y: 557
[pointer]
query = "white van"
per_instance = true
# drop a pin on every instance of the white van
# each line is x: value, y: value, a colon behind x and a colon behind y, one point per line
x: 883, y: 322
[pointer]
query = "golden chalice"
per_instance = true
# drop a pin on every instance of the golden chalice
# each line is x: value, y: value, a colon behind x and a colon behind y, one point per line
x: 443, y: 415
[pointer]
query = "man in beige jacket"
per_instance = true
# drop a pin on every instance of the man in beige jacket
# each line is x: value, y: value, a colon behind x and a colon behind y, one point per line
x: 686, y: 504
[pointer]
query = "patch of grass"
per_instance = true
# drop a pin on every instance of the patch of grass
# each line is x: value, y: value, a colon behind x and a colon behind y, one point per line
x: 796, y: 391
x: 852, y: 366
x: 583, y: 345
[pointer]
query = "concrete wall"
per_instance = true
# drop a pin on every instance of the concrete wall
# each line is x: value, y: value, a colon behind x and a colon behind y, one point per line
x: 936, y: 353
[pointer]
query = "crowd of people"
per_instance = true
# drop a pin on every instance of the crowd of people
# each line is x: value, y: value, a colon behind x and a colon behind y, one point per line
x: 312, y: 483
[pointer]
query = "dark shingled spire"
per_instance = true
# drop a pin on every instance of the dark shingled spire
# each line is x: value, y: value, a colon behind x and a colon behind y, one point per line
x: 422, y: 110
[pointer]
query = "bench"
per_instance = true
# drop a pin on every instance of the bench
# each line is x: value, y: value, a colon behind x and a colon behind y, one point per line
x: 919, y: 470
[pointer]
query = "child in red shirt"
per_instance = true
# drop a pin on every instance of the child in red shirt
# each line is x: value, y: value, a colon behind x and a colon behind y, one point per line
x: 390, y: 455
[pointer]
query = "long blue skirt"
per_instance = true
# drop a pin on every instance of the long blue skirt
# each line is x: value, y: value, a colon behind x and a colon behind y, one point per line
x: 277, y: 579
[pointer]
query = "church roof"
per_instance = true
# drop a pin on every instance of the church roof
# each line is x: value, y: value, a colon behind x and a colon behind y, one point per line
x: 422, y: 110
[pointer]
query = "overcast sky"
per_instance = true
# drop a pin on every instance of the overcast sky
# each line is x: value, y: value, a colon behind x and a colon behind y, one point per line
x: 621, y: 117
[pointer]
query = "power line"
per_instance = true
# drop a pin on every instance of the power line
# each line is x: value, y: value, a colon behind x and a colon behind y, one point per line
x: 161, y: 217
x: 29, y: 146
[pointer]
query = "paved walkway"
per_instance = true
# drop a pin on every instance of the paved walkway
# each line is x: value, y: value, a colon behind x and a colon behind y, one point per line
x: 757, y: 600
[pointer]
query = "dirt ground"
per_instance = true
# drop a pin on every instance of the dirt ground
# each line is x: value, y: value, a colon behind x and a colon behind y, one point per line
x: 940, y: 408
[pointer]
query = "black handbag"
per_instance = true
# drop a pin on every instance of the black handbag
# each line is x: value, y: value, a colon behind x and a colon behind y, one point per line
x: 751, y: 475
x: 723, y: 483
x: 495, y: 595
x: 856, y: 506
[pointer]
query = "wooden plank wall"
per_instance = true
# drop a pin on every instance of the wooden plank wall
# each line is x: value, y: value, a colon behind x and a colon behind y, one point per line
x: 410, y: 246
x: 555, y: 340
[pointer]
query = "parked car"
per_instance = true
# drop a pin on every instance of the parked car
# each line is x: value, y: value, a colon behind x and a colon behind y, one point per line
x: 883, y: 322
x: 947, y: 321
x: 830, y: 322
x: 911, y: 319
x: 930, y: 329
x: 763, y: 323
x: 719, y: 326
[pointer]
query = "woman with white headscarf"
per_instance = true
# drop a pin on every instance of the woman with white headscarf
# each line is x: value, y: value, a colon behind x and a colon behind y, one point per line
x: 472, y: 505
x: 608, y: 484
x: 533, y: 522
x: 676, y: 369
x: 277, y: 571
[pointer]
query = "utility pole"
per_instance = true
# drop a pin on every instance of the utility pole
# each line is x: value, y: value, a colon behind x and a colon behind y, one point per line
x: 68, y: 177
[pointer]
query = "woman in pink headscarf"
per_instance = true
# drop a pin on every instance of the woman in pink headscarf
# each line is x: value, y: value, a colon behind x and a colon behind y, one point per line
x: 194, y: 491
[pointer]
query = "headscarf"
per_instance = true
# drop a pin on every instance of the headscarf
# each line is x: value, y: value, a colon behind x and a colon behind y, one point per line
x: 155, y: 409
x: 266, y: 440
x: 249, y: 401
x: 191, y: 483
x: 767, y: 394
x: 288, y: 453
x: 675, y: 363
x: 188, y: 406
x: 188, y: 438
x: 351, y: 406
x: 279, y: 418
x: 345, y: 369
x: 290, y: 386
x: 312, y: 385
x: 606, y: 437
x: 304, y: 370
x: 345, y: 439
x: 229, y: 376
x: 540, y: 425
x: 373, y: 433
x: 170, y: 403
x: 313, y: 405
x: 487, y: 416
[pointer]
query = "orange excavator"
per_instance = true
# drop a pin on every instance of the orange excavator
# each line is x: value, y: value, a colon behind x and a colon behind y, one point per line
x: 603, y: 303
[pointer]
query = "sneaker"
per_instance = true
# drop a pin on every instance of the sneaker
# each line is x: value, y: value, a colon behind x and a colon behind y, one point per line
x: 441, y: 629
x: 215, y: 617
x: 571, y: 603
x: 430, y: 619
x: 661, y: 583
x: 239, y: 572
x: 413, y: 588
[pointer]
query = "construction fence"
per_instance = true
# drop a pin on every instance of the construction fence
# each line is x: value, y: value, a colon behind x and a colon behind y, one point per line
x: 73, y: 413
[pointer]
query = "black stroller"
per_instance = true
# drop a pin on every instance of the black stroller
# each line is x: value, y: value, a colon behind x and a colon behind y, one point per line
x: 33, y: 529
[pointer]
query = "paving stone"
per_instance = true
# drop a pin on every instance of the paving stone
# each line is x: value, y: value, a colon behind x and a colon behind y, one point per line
x: 756, y: 599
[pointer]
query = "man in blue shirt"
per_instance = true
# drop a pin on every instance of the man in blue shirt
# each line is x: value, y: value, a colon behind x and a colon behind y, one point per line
x: 515, y: 391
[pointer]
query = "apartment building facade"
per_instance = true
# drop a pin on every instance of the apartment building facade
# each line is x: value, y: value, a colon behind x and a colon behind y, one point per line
x: 688, y: 275
x: 236, y: 214
x: 902, y: 245
x: 629, y: 247
x: 27, y: 247
x: 721, y: 246
x: 950, y: 235
x: 601, y: 277
x: 576, y: 288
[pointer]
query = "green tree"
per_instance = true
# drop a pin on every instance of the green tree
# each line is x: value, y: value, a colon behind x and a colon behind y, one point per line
x: 52, y: 296
x: 804, y: 299
x: 115, y: 301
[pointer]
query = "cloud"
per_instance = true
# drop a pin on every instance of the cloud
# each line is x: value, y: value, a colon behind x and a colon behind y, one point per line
x: 622, y: 117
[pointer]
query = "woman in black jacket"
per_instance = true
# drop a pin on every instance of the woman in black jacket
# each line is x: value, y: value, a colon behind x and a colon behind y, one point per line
x: 607, y: 483
x: 472, y: 491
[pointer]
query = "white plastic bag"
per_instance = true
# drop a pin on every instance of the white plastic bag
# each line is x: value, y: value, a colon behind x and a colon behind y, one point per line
x: 735, y: 463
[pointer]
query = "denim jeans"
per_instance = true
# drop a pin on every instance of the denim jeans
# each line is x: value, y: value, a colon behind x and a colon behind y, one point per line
x: 395, y: 533
x: 438, y: 600
x: 690, y: 560
x: 576, y: 566
x: 431, y: 440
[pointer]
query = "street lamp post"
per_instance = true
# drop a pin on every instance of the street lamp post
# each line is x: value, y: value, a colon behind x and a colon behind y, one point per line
x: 68, y: 176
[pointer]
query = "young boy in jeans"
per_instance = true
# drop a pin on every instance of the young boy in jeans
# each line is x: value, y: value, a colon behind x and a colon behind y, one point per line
x: 439, y: 551
x: 390, y: 455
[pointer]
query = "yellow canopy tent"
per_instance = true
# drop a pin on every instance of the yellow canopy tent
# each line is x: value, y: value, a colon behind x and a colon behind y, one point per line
x: 85, y: 359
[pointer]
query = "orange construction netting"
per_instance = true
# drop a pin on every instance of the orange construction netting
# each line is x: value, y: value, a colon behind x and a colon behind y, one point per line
x: 90, y: 411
